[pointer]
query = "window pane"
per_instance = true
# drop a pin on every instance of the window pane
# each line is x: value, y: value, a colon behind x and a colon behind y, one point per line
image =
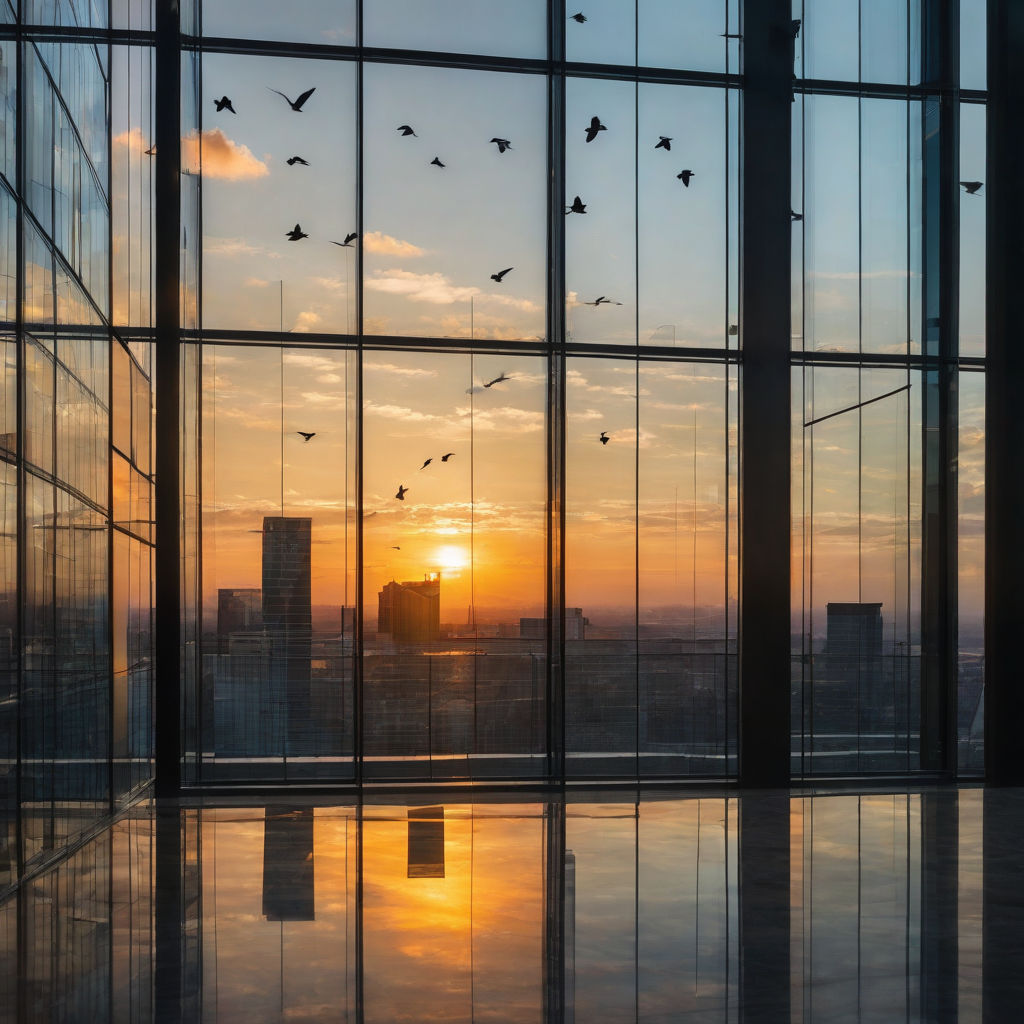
x: 254, y: 276
x: 436, y: 237
x: 682, y: 34
x: 454, y: 605
x: 278, y: 561
x: 972, y: 230
x: 331, y: 22
x: 480, y: 26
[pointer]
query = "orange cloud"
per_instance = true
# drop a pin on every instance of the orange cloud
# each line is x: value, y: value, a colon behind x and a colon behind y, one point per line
x: 377, y: 241
x: 221, y: 158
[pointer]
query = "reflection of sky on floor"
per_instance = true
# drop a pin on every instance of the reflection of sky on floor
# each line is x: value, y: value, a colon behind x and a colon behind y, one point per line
x: 321, y: 913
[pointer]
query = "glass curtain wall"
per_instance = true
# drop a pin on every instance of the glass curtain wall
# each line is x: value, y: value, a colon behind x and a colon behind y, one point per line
x: 436, y: 503
x: 885, y: 516
x: 76, y: 442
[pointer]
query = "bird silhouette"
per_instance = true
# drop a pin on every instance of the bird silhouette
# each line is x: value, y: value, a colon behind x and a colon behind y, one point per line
x: 971, y: 187
x: 401, y: 492
x: 293, y: 160
x: 604, y: 438
x: 503, y: 144
x: 579, y: 17
x: 406, y: 130
x: 296, y: 105
x: 595, y: 127
x: 349, y: 239
x: 794, y: 27
x: 395, y: 547
x: 601, y: 299
x: 427, y: 463
x: 224, y: 104
x: 445, y: 458
x: 684, y: 177
x: 152, y: 150
x: 436, y: 162
x: 500, y: 274
x: 665, y: 142
x: 307, y: 436
x: 731, y: 35
x: 578, y: 206
x: 295, y: 234
x: 734, y: 330
x: 794, y: 216
x: 497, y: 380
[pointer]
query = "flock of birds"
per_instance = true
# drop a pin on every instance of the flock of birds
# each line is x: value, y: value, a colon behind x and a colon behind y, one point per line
x: 592, y: 130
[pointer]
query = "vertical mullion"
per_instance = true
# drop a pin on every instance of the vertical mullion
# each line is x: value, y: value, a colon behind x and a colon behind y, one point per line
x: 1004, y: 412
x: 765, y: 232
x: 167, y: 696
x: 940, y: 232
x: 357, y: 632
x: 556, y: 412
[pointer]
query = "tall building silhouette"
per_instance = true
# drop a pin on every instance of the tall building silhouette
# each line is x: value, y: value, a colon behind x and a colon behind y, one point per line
x: 288, y: 623
x: 411, y: 611
x: 856, y: 685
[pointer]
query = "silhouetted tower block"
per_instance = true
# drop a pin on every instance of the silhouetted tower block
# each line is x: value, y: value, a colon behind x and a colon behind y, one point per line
x: 411, y: 611
x: 859, y: 694
x: 239, y: 610
x: 288, y: 623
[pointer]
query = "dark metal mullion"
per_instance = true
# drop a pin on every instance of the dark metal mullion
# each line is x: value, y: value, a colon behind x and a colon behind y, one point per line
x: 1004, y: 419
x: 940, y: 264
x: 765, y: 415
x: 556, y: 399
x: 357, y: 625
x: 167, y: 639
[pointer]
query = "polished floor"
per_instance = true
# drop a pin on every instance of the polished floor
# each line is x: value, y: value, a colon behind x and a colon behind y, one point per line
x: 877, y: 906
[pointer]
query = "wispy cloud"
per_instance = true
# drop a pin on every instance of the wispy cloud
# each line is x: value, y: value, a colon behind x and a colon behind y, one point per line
x: 435, y: 288
x: 306, y: 321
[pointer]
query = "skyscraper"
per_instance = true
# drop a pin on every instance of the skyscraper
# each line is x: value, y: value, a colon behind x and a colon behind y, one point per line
x: 288, y: 622
x: 411, y: 611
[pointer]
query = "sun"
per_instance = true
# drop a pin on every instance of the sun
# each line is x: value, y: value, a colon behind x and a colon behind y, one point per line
x: 451, y: 558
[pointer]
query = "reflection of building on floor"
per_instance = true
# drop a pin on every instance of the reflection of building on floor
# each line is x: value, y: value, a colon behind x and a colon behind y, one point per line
x: 288, y: 879
x: 575, y: 626
x: 426, y: 842
x: 411, y: 611
x: 288, y: 622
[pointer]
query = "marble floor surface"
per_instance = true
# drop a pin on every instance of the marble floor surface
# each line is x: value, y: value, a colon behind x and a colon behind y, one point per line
x: 590, y: 907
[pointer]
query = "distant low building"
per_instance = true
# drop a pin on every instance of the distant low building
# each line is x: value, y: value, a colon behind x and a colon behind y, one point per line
x: 575, y: 626
x: 411, y: 611
x: 239, y: 610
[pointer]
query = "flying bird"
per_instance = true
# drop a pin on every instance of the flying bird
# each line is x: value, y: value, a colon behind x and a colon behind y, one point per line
x: 295, y: 234
x: 427, y: 463
x: 731, y: 35
x: 579, y: 17
x: 500, y: 274
x: 684, y: 177
x: 971, y: 187
x: 349, y: 239
x: 604, y: 438
x: 296, y: 105
x: 406, y: 130
x: 601, y: 299
x: 578, y: 206
x: 497, y: 380
x: 293, y: 160
x: 503, y: 144
x: 436, y: 162
x: 307, y: 436
x: 734, y: 330
x: 395, y: 547
x: 224, y: 104
x: 445, y: 458
x: 793, y: 215
x: 401, y: 492
x: 595, y: 127
x: 664, y: 143
x: 152, y: 150
x: 794, y: 27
